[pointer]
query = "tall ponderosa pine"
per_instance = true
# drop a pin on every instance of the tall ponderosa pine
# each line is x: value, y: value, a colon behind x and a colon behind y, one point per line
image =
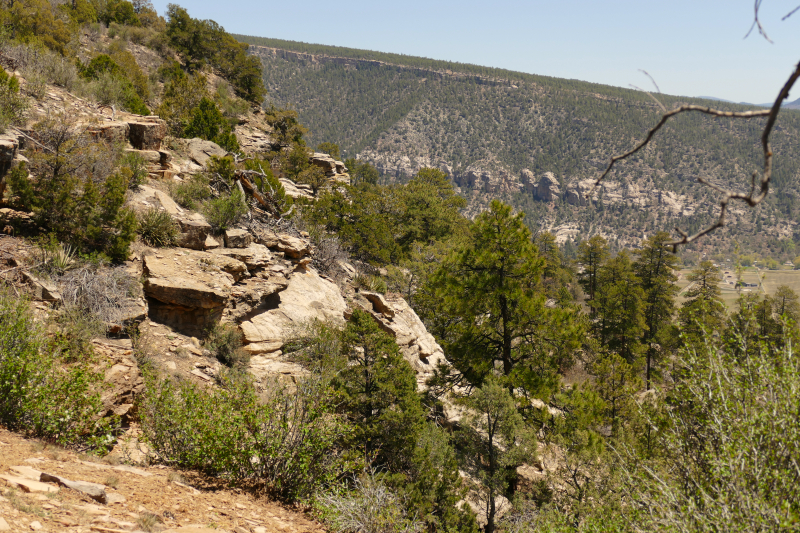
x: 592, y: 255
x: 619, y: 306
x: 655, y: 266
x: 490, y: 290
x: 703, y: 308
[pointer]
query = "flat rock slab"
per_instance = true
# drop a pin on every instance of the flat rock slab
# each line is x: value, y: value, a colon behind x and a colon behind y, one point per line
x: 27, y: 472
x: 191, y: 278
x: 95, y: 491
x: 28, y: 485
x: 254, y: 256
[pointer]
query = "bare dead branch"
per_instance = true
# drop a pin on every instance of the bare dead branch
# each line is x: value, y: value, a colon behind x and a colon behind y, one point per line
x: 658, y: 89
x: 757, y: 192
x: 790, y: 13
x: 668, y: 115
x: 648, y: 93
x: 757, y: 23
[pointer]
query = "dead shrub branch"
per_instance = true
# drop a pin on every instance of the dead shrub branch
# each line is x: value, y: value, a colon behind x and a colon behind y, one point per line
x: 757, y: 191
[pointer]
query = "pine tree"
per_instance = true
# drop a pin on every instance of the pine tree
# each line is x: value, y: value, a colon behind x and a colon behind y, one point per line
x: 491, y: 293
x: 703, y: 308
x: 619, y: 307
x: 654, y: 267
x: 592, y: 254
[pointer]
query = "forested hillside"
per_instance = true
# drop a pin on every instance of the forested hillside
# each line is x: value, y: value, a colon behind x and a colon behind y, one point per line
x: 497, y: 132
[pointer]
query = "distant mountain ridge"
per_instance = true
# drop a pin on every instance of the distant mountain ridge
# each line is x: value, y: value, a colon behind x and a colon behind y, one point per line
x: 534, y: 141
x: 786, y: 105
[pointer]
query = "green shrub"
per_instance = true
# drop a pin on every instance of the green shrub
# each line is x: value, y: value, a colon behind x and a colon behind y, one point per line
x: 120, y: 12
x: 268, y: 184
x: 75, y: 192
x: 191, y: 192
x: 115, y: 84
x: 202, y: 42
x: 332, y: 149
x: 52, y: 258
x: 313, y: 176
x: 134, y: 168
x: 225, y: 342
x: 39, y: 394
x: 12, y: 104
x: 227, y: 210
x: 287, y: 441
x: 207, y: 123
x: 157, y: 228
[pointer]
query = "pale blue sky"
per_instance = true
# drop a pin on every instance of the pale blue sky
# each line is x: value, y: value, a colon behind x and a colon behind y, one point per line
x: 693, y: 48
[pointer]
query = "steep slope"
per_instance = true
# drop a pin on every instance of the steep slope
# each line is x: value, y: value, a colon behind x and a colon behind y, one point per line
x: 497, y: 133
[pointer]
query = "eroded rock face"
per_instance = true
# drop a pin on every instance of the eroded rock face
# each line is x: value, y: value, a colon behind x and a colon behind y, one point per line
x: 255, y: 256
x: 396, y: 317
x: 147, y: 133
x: 308, y: 297
x: 293, y: 247
x: 547, y: 189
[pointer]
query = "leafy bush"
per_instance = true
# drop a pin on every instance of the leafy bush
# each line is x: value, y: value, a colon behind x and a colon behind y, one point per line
x: 208, y: 123
x: 182, y: 94
x: 134, y: 168
x: 192, y: 191
x: 157, y: 228
x: 12, y: 104
x: 225, y: 342
x: 287, y: 441
x: 75, y: 192
x: 113, y: 84
x: 38, y: 393
x: 226, y: 210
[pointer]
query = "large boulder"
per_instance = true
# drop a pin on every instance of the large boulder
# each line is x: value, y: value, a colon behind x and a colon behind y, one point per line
x: 112, y: 132
x: 325, y: 162
x: 238, y: 238
x: 200, y: 150
x: 294, y: 247
x: 147, y: 133
x: 307, y: 298
x: 190, y: 278
x: 547, y: 189
x: 396, y: 317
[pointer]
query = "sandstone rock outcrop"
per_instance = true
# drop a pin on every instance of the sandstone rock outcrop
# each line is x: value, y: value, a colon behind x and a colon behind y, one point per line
x: 189, y: 289
x: 417, y: 345
x: 307, y: 297
x: 293, y: 247
x: 547, y: 189
x: 147, y: 133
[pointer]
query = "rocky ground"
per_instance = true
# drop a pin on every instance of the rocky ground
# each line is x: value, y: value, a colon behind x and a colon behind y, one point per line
x: 82, y: 493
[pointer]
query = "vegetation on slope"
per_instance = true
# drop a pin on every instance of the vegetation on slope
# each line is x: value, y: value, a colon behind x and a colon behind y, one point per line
x: 460, y: 117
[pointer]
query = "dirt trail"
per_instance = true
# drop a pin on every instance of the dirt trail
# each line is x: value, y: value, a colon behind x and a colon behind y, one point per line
x: 153, y: 498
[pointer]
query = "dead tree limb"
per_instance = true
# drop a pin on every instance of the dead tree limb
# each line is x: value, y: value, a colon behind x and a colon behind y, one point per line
x: 267, y: 199
x: 754, y: 197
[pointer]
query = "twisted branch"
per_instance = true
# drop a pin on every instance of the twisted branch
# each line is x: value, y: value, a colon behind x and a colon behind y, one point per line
x: 754, y: 197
